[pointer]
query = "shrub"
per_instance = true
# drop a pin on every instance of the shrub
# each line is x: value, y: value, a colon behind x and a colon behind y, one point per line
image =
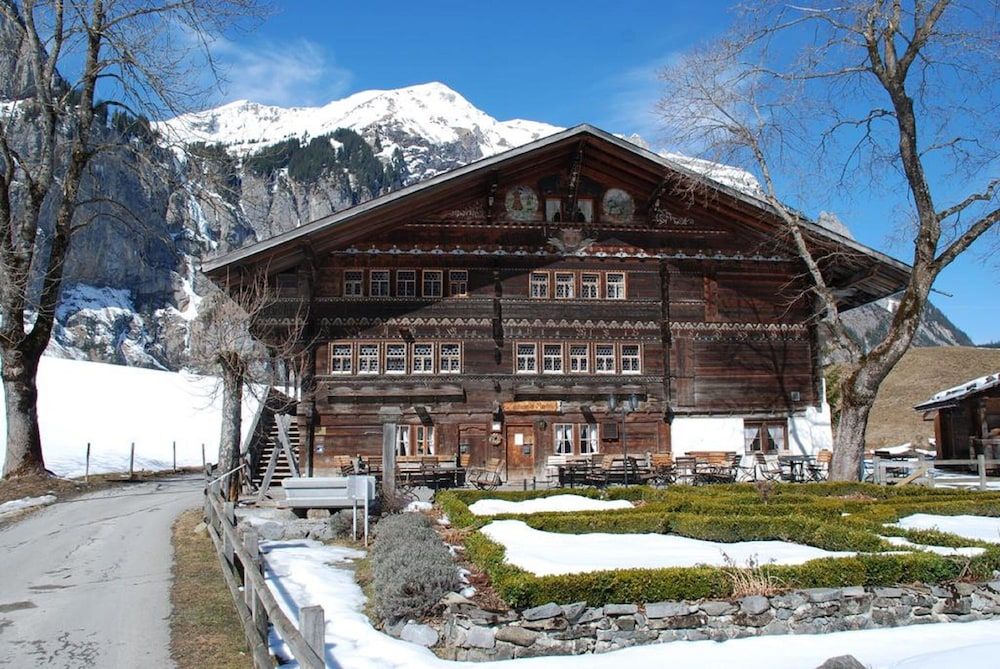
x: 411, y: 568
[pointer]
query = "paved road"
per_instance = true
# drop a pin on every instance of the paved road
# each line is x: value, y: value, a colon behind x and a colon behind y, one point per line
x: 87, y: 582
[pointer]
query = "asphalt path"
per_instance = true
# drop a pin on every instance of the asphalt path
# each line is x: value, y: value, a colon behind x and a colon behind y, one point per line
x: 86, y: 582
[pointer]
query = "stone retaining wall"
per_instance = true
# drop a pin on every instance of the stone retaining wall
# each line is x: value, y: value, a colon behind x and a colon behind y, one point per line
x: 469, y: 633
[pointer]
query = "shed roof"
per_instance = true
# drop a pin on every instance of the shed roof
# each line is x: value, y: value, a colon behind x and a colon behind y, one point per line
x: 952, y: 396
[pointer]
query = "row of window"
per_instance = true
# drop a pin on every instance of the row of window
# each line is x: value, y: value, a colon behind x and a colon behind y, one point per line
x: 380, y: 283
x: 570, y: 285
x: 576, y: 439
x: 583, y: 358
x: 395, y: 358
x: 415, y: 440
x: 542, y: 285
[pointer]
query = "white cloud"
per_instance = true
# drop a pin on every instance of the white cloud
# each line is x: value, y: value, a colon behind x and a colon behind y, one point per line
x: 294, y: 73
x: 632, y: 96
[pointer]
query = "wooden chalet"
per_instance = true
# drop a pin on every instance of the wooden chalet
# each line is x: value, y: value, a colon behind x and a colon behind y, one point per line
x: 966, y: 419
x: 494, y: 311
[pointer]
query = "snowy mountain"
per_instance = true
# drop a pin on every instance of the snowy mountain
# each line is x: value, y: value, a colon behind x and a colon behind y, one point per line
x: 223, y: 178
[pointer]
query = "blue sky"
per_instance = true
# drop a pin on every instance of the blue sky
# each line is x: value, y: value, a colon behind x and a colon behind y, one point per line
x: 558, y: 62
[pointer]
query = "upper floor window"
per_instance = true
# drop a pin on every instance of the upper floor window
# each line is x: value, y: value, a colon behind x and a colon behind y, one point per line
x: 432, y: 282
x: 631, y: 362
x: 340, y: 359
x: 379, y: 283
x: 604, y: 358
x: 395, y: 358
x: 539, y: 284
x: 368, y: 359
x: 406, y: 283
x: 353, y: 283
x: 526, y: 360
x: 579, y: 358
x: 552, y: 358
x: 615, y: 289
x: 565, y: 285
x: 450, y: 358
x: 590, y: 286
x: 458, y: 282
x: 423, y: 358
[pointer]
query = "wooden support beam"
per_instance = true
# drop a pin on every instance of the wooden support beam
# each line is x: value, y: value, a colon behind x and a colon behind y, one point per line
x: 574, y: 182
x: 283, y: 421
x: 491, y: 194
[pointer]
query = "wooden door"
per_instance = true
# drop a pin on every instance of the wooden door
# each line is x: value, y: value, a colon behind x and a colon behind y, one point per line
x: 472, y: 444
x: 521, y: 448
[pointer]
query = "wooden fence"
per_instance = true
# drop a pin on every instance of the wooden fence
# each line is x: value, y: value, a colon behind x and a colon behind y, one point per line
x: 902, y: 472
x: 243, y: 569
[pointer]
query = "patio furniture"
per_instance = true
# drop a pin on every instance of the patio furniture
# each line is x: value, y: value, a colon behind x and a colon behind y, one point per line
x: 767, y: 470
x: 793, y: 467
x: 684, y: 470
x: 661, y: 470
x: 488, y: 477
x: 818, y: 468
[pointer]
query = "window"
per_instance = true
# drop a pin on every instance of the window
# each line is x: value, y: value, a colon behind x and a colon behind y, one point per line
x: 353, y: 281
x: 368, y: 359
x: 564, y: 438
x: 451, y: 358
x: 590, y: 286
x: 539, y: 285
x: 630, y: 359
x: 579, y: 358
x: 553, y: 209
x: 588, y: 438
x: 340, y: 359
x: 615, y: 286
x: 406, y: 283
x: 402, y: 440
x: 423, y: 358
x: 552, y: 358
x: 458, y: 282
x: 604, y: 358
x: 395, y: 358
x: 425, y: 440
x: 764, y: 437
x: 379, y: 283
x: 526, y: 363
x: 432, y: 283
x: 565, y: 285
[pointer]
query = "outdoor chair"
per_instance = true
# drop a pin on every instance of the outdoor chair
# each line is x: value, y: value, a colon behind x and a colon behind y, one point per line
x: 488, y: 477
x: 767, y: 470
x: 818, y: 469
x: 684, y: 469
x: 661, y: 470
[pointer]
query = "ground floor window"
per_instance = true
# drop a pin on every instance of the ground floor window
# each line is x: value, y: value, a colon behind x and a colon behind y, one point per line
x: 564, y: 438
x: 588, y: 438
x: 765, y: 436
x: 579, y: 438
x: 402, y: 440
x: 424, y: 440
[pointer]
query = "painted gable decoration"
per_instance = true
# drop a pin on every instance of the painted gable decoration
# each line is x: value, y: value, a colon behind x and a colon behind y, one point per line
x: 571, y: 240
x: 521, y: 203
x: 617, y: 206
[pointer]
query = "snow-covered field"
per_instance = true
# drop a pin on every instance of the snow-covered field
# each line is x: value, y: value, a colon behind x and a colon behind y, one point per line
x: 306, y: 573
x: 493, y: 507
x: 549, y: 553
x: 970, y: 527
x: 111, y: 406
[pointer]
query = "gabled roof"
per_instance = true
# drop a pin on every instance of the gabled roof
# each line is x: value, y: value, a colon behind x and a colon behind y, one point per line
x: 952, y: 396
x: 882, y: 274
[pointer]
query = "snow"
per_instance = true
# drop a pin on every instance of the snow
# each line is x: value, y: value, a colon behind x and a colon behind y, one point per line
x: 551, y: 553
x: 16, y: 505
x: 493, y: 507
x: 417, y: 507
x: 971, y: 527
x: 965, y: 389
x: 967, y: 551
x: 306, y: 573
x: 111, y: 406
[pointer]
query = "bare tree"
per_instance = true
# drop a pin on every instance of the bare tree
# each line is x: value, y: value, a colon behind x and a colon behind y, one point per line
x: 893, y: 99
x: 62, y: 57
x: 227, y: 337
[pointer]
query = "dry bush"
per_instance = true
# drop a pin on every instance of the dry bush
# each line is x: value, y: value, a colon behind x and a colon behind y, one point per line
x: 753, y: 578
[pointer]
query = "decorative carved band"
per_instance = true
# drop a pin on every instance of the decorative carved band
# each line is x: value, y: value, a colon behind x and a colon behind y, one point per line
x: 741, y: 331
x: 585, y: 253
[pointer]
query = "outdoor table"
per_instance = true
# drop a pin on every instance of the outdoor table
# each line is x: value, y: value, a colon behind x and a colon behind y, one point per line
x: 796, y: 467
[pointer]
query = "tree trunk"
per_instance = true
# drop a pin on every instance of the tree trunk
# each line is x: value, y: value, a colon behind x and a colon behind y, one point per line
x: 24, y: 442
x: 849, y: 453
x: 232, y: 419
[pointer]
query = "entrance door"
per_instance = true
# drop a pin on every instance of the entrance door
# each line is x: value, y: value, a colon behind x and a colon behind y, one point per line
x: 520, y: 451
x: 472, y: 445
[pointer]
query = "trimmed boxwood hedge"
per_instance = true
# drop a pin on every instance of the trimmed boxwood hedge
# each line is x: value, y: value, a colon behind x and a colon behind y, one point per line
x: 832, y: 516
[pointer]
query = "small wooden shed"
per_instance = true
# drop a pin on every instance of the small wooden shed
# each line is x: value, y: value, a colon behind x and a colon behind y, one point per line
x: 966, y: 418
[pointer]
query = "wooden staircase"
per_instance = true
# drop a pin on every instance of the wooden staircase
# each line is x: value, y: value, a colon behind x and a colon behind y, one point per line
x: 272, y: 443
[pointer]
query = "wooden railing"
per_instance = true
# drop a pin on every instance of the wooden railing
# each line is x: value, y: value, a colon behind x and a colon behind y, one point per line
x: 243, y: 569
x: 909, y: 471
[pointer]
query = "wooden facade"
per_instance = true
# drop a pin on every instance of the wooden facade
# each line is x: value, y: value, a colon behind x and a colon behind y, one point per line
x: 966, y: 419
x: 499, y: 307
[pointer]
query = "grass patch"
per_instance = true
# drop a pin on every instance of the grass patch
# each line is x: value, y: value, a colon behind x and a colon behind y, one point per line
x: 204, y: 628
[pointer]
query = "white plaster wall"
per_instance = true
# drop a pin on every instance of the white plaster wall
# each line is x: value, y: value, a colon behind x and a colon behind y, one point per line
x: 813, y: 431
x: 706, y: 434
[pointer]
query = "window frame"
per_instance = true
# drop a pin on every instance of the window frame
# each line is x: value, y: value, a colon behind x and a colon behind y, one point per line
x: 387, y: 282
x: 613, y: 357
x: 453, y: 282
x: 762, y: 425
x: 404, y: 442
x: 350, y: 358
x: 593, y: 439
x: 561, y: 358
x: 638, y: 358
x: 395, y: 345
x: 377, y: 358
x: 430, y: 356
x: 441, y: 356
x: 572, y: 358
x: 423, y: 440
x: 624, y: 285
x: 557, y: 442
x: 400, y: 282
x: 517, y: 357
x: 424, y: 276
x: 596, y: 285
x: 358, y: 285
x: 531, y: 284
x: 556, y: 285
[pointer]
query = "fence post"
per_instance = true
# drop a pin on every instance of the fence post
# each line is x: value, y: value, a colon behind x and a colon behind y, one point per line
x: 203, y: 463
x: 312, y: 624
x: 876, y: 474
x: 131, y: 462
x: 981, y: 461
x: 86, y: 471
x: 175, y: 456
x: 227, y: 546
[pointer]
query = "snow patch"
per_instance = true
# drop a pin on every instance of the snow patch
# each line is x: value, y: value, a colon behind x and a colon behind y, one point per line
x: 967, y: 551
x: 971, y: 527
x: 493, y: 507
x: 13, y: 506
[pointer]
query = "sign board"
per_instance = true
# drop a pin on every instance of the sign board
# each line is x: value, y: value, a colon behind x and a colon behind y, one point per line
x: 532, y: 406
x: 360, y: 488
